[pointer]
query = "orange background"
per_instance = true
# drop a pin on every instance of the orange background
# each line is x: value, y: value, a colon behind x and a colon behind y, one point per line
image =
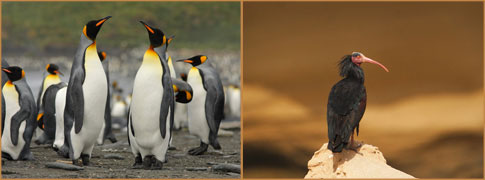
x: 425, y: 115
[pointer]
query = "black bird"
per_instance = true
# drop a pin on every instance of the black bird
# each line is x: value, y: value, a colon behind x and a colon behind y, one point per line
x: 346, y: 102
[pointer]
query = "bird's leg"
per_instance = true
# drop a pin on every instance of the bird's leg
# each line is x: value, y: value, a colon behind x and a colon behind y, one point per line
x: 351, y: 145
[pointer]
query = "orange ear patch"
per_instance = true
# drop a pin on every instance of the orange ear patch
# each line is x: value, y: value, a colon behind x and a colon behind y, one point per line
x: 189, y: 96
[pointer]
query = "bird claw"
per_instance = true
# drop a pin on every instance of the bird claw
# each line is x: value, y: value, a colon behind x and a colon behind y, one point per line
x: 199, y: 150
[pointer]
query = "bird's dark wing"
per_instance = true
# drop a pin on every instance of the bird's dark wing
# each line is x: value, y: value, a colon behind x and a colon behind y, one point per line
x: 74, y: 111
x: 167, y: 99
x: 26, y: 112
x: 346, y: 105
x: 214, y: 102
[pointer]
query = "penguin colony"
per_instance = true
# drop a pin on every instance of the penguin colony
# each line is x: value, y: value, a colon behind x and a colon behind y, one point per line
x: 75, y: 116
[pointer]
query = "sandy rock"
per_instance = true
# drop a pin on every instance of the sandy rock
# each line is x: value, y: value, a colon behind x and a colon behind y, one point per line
x: 58, y: 165
x: 225, y: 133
x: 230, y: 125
x: 367, y: 162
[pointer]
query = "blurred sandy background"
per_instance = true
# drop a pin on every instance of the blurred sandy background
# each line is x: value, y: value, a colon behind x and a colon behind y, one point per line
x: 425, y: 115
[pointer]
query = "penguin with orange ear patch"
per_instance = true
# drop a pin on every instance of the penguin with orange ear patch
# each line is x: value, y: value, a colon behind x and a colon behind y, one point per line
x: 86, y: 97
x: 206, y: 110
x: 46, y: 135
x: 150, y: 119
x: 20, y: 112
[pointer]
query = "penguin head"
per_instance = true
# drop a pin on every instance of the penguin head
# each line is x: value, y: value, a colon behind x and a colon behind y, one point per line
x: 92, y: 28
x: 196, y: 60
x: 102, y: 55
x: 182, y: 95
x: 14, y: 73
x: 156, y: 36
x: 53, y: 69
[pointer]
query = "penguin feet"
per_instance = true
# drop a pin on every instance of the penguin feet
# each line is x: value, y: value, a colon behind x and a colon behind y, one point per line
x: 138, y: 162
x: 111, y: 138
x: 152, y: 163
x: 63, y: 151
x: 147, y: 162
x: 156, y: 164
x: 85, y: 158
x: 199, y: 150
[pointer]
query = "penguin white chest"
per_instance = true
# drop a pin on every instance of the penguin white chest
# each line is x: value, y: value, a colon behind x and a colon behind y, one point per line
x: 11, y: 107
x: 196, y: 108
x: 95, y: 89
x: 147, y: 100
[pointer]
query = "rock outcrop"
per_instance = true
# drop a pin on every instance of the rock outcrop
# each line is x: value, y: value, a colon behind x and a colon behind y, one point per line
x: 366, y: 162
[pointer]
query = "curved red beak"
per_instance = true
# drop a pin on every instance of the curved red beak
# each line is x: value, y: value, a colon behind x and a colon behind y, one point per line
x: 369, y: 60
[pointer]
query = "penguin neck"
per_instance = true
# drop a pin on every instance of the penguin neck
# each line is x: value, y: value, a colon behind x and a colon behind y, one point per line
x: 151, y: 58
x: 8, y: 88
x: 51, y: 79
x: 92, y: 49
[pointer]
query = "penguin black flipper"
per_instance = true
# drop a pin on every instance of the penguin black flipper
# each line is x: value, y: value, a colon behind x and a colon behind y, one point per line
x: 214, y: 103
x: 168, y: 95
x: 26, y: 113
x: 75, y: 96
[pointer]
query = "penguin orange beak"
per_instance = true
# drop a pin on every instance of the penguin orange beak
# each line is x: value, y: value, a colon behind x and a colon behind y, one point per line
x: 102, y: 21
x: 59, y: 72
x: 6, y: 70
x: 185, y: 60
x: 150, y: 29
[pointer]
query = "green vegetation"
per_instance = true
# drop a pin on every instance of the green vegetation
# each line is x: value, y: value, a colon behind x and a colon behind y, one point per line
x: 43, y: 25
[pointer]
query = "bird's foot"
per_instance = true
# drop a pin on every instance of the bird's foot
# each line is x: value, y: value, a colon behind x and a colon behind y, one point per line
x: 147, y: 162
x: 156, y: 164
x: 111, y: 138
x: 199, y: 150
x: 138, y: 162
x: 354, y: 146
x: 85, y: 158
x: 63, y: 151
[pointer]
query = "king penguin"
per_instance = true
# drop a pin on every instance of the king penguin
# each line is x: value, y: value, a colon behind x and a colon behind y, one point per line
x: 106, y: 131
x: 46, y: 135
x: 206, y: 110
x: 150, y: 119
x: 85, y: 97
x: 19, y: 115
